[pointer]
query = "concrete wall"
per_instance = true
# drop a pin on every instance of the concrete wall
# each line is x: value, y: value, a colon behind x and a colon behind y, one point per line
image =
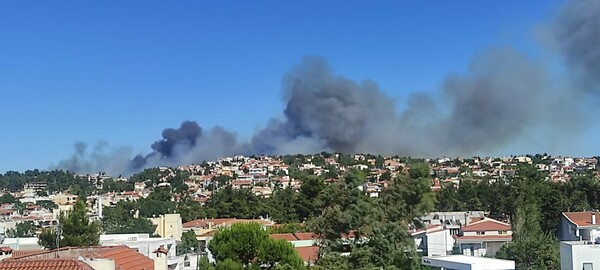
x: 141, y: 242
x: 566, y: 257
x: 439, y: 243
x: 567, y: 231
x: 101, y: 264
x: 574, y: 255
x: 168, y: 225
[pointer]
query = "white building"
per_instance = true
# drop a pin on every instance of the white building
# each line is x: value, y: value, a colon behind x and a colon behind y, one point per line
x: 483, y: 238
x: 434, y: 240
x: 461, y: 262
x: 579, y: 226
x: 579, y: 255
x: 21, y: 243
x: 147, y: 246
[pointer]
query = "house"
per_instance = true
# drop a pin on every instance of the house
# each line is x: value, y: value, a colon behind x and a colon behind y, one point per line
x: 460, y: 262
x: 168, y: 225
x: 205, y: 228
x: 147, y: 246
x: 579, y: 255
x: 82, y: 258
x: 483, y: 237
x: 579, y: 226
x: 297, y: 239
x: 437, y: 238
x: 308, y: 254
x: 64, y: 199
x: 241, y: 184
x: 434, y: 240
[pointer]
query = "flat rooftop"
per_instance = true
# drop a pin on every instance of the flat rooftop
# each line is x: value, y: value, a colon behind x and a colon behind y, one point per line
x: 462, y: 262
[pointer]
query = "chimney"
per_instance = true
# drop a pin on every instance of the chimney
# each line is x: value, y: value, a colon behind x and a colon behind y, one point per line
x: 593, y: 217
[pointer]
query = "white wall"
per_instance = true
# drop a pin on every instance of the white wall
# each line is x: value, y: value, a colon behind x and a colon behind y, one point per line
x: 439, y: 243
x: 573, y: 255
x: 141, y: 242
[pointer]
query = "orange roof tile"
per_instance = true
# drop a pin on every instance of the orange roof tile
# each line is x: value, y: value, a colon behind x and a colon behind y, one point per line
x: 487, y: 238
x: 125, y: 258
x: 204, y: 222
x: 284, y: 236
x: 26, y: 252
x: 306, y: 236
x: 487, y: 225
x: 46, y: 264
x: 582, y: 218
x: 308, y: 254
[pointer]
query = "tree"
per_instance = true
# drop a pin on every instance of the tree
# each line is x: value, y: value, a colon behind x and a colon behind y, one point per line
x: 7, y: 198
x: 75, y: 229
x: 531, y: 247
x: 204, y: 263
x: 47, y: 204
x: 120, y: 219
x: 48, y: 238
x: 386, y: 176
x: 234, y: 203
x: 22, y: 229
x: 283, y: 204
x: 188, y: 242
x: 249, y: 245
x: 229, y: 264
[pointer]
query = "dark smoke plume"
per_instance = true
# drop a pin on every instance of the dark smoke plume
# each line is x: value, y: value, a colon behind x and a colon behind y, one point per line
x: 503, y: 98
x: 577, y: 33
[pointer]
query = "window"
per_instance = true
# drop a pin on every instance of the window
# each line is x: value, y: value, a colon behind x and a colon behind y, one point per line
x: 588, y: 266
x: 480, y: 232
x: 502, y: 232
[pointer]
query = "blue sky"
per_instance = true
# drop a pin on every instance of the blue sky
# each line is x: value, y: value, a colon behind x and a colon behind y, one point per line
x: 121, y: 71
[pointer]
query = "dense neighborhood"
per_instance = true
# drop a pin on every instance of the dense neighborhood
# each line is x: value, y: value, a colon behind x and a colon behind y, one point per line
x: 168, y: 217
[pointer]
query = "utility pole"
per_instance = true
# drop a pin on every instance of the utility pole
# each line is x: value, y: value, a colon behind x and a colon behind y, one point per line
x: 58, y: 234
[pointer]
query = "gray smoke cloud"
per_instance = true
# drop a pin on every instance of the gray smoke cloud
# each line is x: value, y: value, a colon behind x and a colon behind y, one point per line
x: 503, y: 98
x: 101, y: 158
x: 577, y: 34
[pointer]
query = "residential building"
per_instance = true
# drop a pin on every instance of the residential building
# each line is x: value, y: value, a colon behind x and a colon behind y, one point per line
x: 22, y: 243
x: 65, y: 199
x: 579, y: 226
x: 82, y: 258
x: 483, y: 237
x: 168, y: 225
x: 147, y: 246
x: 461, y: 262
x: 434, y: 240
x: 579, y: 255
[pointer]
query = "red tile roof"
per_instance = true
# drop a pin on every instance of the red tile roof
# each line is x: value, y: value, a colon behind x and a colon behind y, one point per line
x: 26, y: 252
x: 306, y: 236
x: 308, y: 254
x: 125, y: 258
x: 485, y: 238
x: 487, y: 224
x: 284, y: 236
x: 582, y: 218
x: 47, y: 264
x: 204, y: 222
x: 7, y: 211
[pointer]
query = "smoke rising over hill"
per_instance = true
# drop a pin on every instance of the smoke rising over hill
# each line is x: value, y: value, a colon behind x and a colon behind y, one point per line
x: 504, y: 95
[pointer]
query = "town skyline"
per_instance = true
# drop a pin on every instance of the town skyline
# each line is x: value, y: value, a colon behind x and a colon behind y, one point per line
x: 115, y: 95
